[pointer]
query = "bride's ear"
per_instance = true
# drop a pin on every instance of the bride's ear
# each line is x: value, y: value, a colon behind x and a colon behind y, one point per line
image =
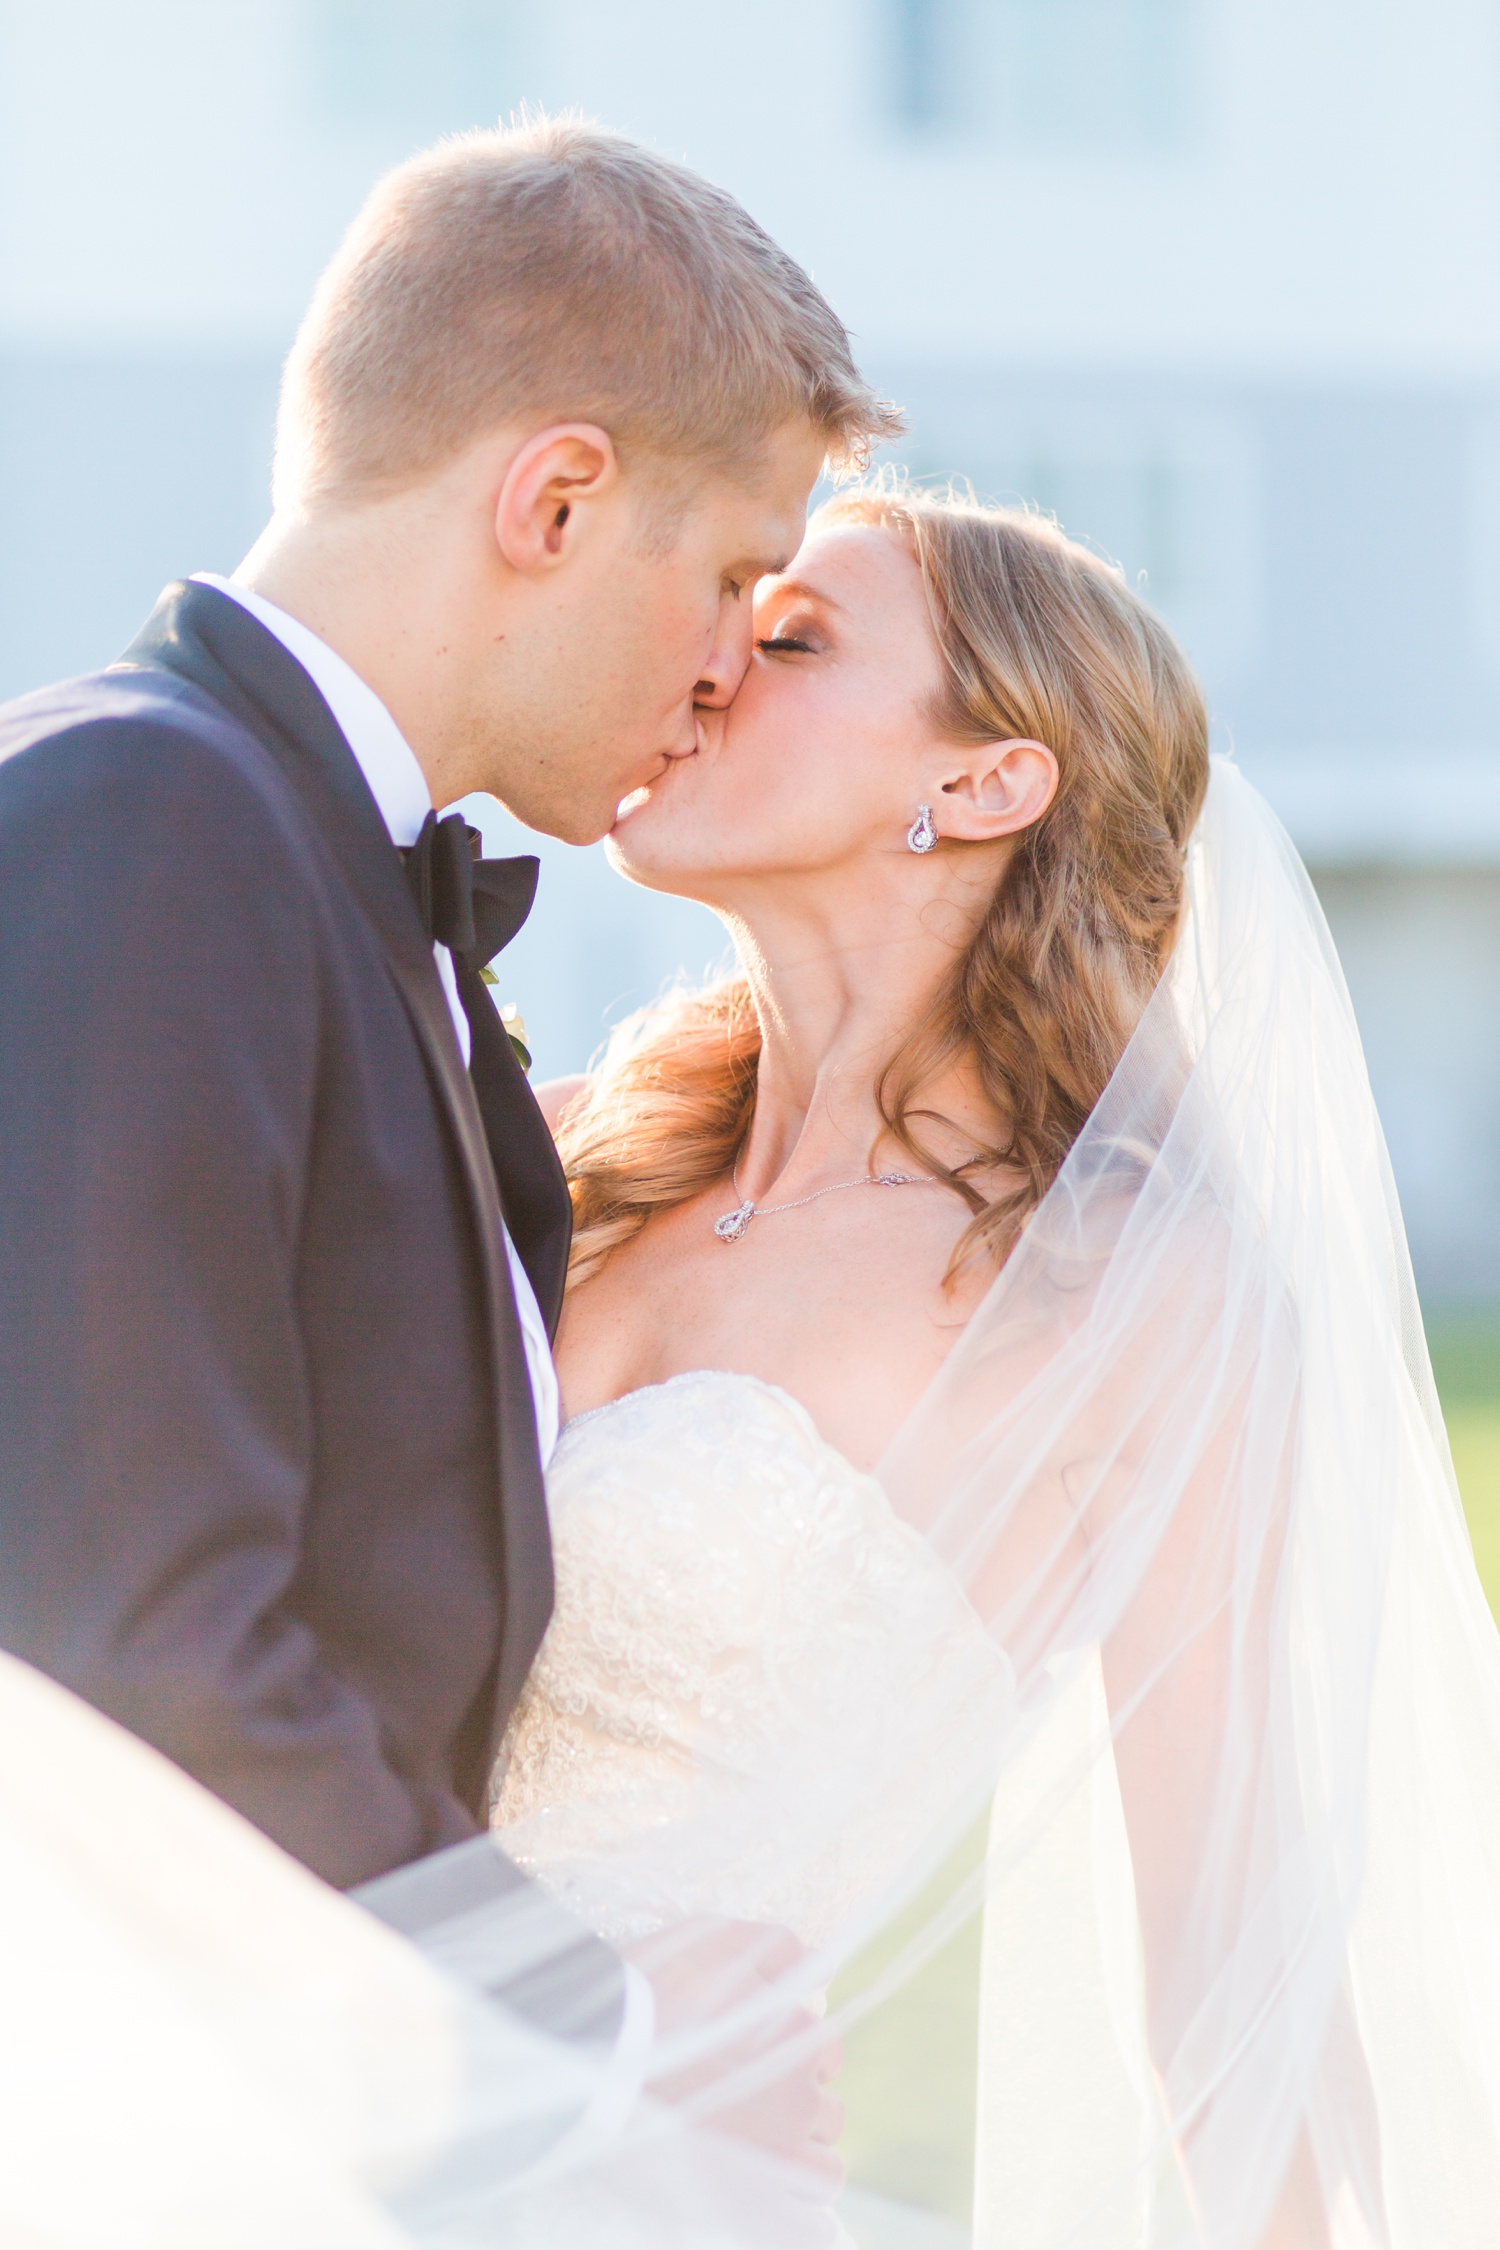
x: 996, y: 790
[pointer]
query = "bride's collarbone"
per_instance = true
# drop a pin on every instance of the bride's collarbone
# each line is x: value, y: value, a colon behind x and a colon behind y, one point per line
x: 850, y: 1319
x: 809, y: 1274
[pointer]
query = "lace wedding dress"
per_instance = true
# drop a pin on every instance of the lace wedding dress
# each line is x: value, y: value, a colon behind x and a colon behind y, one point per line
x: 745, y: 1633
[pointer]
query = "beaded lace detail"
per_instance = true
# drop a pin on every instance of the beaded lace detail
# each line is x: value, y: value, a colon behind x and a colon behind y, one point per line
x: 742, y: 1627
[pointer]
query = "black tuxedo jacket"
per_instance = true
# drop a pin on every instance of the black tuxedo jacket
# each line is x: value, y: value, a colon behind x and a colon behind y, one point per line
x: 269, y: 1487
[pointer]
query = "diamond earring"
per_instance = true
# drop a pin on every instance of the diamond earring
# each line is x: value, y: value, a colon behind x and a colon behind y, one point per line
x: 921, y: 836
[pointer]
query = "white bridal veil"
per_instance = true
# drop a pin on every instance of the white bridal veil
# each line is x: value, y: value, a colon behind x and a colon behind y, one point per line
x: 1167, y: 1890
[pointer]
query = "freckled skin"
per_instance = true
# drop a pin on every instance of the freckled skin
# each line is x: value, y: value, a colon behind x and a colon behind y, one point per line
x: 525, y: 634
x: 790, y: 820
x: 841, y: 1304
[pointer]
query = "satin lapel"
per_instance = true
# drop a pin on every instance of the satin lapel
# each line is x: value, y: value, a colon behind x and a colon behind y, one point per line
x: 206, y: 638
x: 533, y: 1186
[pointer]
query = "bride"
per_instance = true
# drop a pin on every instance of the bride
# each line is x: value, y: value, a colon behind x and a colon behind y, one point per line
x: 995, y: 1388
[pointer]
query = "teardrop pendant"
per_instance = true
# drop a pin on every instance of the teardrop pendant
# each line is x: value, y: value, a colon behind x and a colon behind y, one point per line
x: 921, y: 836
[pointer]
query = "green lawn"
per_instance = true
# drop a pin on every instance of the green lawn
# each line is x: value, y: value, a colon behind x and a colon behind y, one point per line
x: 909, y: 2075
x: 910, y: 2065
x: 1466, y: 1361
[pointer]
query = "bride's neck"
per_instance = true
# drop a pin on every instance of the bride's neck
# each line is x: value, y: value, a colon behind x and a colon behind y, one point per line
x: 838, y: 998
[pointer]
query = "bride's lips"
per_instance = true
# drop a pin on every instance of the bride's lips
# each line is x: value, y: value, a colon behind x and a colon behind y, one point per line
x: 641, y: 795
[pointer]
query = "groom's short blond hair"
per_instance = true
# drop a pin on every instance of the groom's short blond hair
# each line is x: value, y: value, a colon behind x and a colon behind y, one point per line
x: 554, y: 272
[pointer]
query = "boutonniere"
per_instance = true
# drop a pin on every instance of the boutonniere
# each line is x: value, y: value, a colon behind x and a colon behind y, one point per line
x: 513, y: 1020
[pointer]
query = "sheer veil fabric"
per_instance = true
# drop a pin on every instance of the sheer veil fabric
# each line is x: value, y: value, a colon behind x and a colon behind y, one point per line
x: 1228, y: 1734
x: 1242, y: 1962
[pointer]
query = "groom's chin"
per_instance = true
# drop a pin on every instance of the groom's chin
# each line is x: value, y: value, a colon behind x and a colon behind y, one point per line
x: 570, y: 824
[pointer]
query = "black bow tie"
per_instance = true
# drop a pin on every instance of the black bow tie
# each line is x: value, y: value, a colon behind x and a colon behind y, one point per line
x: 473, y: 906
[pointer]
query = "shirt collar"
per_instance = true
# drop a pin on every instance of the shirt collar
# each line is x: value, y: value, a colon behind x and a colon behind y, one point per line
x: 381, y: 750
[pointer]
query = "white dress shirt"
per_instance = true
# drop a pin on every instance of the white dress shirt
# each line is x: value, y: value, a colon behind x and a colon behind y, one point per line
x: 399, y: 787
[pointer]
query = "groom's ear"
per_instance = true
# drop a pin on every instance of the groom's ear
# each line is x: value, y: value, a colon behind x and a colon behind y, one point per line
x: 553, y: 478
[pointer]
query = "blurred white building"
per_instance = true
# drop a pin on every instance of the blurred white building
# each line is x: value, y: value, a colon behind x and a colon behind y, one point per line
x: 1215, y: 279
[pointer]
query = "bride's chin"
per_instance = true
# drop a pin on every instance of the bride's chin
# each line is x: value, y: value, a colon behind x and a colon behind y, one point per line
x: 647, y: 871
x: 649, y: 860
x: 628, y: 848
x: 641, y: 816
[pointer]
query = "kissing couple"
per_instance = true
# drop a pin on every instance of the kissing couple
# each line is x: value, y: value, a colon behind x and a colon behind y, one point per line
x: 935, y: 1426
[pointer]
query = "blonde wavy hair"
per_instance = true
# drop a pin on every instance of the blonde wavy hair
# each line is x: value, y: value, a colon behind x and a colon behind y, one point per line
x: 1040, y: 639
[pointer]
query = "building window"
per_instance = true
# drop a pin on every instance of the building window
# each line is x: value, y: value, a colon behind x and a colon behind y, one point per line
x: 420, y: 67
x: 1138, y: 506
x: 1170, y: 495
x: 1484, y: 553
x: 1105, y: 75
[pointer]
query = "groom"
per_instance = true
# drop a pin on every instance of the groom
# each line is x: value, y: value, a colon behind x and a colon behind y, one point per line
x: 282, y: 1235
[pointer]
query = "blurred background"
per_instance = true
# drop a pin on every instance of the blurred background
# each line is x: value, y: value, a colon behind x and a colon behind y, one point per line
x: 1214, y: 280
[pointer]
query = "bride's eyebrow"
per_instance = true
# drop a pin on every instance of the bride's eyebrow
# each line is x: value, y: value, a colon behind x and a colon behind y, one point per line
x: 797, y: 589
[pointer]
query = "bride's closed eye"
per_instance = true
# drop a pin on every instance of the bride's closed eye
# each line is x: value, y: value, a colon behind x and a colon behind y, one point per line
x: 780, y: 644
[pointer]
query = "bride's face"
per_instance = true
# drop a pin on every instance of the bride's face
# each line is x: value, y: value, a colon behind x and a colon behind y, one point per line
x: 827, y: 749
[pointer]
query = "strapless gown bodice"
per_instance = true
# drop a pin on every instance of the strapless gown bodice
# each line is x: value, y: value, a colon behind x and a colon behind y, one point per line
x: 745, y: 1635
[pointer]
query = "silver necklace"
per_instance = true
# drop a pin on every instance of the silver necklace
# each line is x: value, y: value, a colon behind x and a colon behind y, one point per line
x: 734, y: 1223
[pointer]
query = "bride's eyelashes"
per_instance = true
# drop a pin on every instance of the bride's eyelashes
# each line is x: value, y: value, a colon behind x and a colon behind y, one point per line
x: 782, y: 644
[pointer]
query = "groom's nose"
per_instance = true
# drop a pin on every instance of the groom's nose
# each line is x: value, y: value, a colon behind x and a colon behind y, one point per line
x: 729, y: 659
